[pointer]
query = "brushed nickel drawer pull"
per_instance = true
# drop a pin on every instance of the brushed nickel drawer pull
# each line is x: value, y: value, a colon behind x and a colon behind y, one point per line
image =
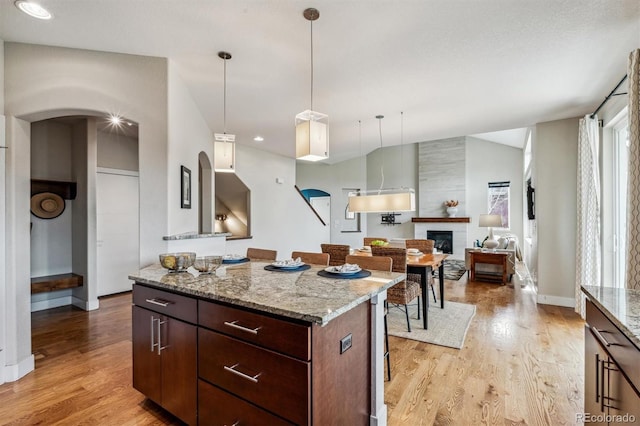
x: 232, y: 369
x: 235, y: 325
x: 601, y: 337
x: 160, y: 302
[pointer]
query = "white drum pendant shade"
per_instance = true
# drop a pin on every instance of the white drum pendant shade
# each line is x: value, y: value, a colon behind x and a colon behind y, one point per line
x: 224, y: 157
x: 312, y: 136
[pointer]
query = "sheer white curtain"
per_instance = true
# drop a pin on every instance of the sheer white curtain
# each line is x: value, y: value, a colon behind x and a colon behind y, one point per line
x: 588, y: 232
x: 633, y: 192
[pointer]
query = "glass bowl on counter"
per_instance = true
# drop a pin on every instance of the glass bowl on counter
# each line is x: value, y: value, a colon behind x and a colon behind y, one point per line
x: 177, y: 262
x: 207, y: 264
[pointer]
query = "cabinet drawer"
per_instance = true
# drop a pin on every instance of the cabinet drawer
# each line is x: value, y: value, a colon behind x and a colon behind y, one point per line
x: 217, y: 407
x: 278, y: 383
x: 164, y: 302
x: 279, y: 335
x: 619, y: 346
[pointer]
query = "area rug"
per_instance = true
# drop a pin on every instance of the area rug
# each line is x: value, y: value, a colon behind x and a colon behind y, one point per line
x: 453, y: 269
x: 447, y: 327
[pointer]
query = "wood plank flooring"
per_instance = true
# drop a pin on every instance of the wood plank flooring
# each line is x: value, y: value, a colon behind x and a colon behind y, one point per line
x: 522, y: 363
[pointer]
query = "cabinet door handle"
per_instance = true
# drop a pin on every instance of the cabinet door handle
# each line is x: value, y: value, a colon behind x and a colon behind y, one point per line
x: 153, y: 344
x: 158, y: 302
x: 601, y: 337
x: 597, y: 378
x: 235, y: 325
x: 232, y: 369
x: 602, y: 386
x: 160, y: 347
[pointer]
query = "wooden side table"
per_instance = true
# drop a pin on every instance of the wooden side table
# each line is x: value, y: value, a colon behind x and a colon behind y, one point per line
x: 491, y: 258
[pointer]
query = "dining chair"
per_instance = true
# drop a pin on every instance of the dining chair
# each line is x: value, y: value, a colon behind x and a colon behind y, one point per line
x: 377, y: 263
x: 313, y: 258
x: 261, y: 254
x: 425, y: 246
x: 367, y: 240
x: 405, y: 291
x: 337, y: 253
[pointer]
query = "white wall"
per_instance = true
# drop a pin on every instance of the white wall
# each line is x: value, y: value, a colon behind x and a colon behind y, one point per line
x: 43, y: 82
x: 2, y: 219
x: 399, y: 164
x: 555, y: 155
x: 280, y: 217
x: 333, y: 179
x: 492, y: 162
x: 188, y: 136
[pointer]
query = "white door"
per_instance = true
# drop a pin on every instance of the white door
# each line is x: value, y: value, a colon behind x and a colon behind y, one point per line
x: 322, y: 206
x: 118, y: 251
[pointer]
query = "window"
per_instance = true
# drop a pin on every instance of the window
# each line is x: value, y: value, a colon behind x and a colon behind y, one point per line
x: 498, y: 201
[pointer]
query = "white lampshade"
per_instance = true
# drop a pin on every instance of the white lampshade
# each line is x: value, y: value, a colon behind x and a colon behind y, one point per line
x: 490, y: 220
x: 384, y: 201
x: 312, y: 136
x: 224, y: 154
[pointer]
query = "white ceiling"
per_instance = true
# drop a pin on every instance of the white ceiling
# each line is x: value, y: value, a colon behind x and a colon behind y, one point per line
x: 454, y: 67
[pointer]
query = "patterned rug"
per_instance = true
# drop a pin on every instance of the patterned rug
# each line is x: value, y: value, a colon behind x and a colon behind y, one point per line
x: 453, y: 269
x: 447, y: 327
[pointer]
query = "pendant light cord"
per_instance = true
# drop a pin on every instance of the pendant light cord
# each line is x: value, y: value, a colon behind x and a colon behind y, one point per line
x: 224, y: 102
x: 381, y: 165
x: 311, y: 65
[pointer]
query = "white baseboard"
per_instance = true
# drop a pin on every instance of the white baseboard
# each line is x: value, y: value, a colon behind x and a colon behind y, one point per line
x: 50, y: 303
x: 87, y: 305
x: 11, y: 373
x: 567, y: 302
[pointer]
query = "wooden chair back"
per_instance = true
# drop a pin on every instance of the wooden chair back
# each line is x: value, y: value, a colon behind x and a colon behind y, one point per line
x: 367, y: 240
x: 337, y: 253
x: 399, y: 256
x: 425, y: 246
x: 376, y: 263
x: 261, y: 254
x: 313, y: 258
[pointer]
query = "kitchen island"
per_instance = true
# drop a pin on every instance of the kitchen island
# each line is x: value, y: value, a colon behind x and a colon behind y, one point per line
x: 612, y: 351
x: 254, y: 346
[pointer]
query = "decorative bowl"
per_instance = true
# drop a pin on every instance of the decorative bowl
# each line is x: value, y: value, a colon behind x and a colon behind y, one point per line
x: 207, y: 264
x: 177, y: 262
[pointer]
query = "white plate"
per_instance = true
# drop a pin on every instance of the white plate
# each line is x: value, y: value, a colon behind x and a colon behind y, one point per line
x: 285, y: 266
x: 334, y: 270
x: 415, y: 253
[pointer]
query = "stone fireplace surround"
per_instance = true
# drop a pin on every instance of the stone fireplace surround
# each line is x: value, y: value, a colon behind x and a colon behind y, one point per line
x: 442, y: 176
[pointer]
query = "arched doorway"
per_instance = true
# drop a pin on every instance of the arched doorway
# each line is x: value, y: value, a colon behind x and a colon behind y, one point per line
x: 205, y: 198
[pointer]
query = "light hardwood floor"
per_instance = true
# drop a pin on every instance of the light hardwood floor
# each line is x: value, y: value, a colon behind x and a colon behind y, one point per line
x: 522, y: 363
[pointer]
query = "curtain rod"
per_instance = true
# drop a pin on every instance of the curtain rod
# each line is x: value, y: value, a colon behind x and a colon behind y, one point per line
x: 613, y: 93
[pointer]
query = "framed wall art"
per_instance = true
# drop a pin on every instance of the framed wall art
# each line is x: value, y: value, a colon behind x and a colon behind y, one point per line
x: 185, y: 188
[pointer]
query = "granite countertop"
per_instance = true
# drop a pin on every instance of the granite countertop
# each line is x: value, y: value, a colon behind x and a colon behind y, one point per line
x: 300, y: 295
x: 621, y: 306
x: 194, y: 235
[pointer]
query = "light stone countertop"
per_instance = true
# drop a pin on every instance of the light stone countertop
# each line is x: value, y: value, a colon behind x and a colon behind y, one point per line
x: 194, y: 235
x: 621, y: 306
x: 300, y: 295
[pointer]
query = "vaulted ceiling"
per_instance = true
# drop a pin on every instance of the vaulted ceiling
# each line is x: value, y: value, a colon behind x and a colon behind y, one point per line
x: 453, y: 67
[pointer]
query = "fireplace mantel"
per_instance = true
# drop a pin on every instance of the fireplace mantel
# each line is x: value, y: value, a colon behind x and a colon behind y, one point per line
x: 441, y: 219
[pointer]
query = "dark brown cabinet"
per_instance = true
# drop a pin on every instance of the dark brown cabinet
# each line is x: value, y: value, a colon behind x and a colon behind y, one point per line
x: 610, y: 368
x: 165, y: 351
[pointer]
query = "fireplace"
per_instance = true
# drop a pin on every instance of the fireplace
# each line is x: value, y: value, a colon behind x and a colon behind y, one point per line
x: 443, y: 239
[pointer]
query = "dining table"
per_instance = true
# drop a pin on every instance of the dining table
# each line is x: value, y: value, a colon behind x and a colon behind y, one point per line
x: 422, y: 265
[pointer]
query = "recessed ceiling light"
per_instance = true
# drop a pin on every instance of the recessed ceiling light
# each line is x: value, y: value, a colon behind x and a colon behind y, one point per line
x: 258, y: 139
x: 33, y: 9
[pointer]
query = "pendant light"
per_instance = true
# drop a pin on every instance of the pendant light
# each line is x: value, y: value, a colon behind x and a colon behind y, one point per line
x: 384, y: 200
x: 224, y: 151
x: 312, y: 127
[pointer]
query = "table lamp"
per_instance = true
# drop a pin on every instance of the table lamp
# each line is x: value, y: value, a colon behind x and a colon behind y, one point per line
x: 490, y: 221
